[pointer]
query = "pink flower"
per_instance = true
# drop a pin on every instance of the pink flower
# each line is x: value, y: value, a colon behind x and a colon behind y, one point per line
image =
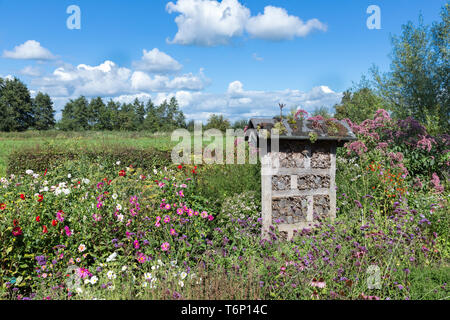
x: 59, y: 216
x: 165, y: 246
x: 136, y: 244
x: 180, y: 211
x: 318, y: 283
x: 210, y: 218
x: 172, y: 232
x: 167, y: 207
x: 68, y: 232
x: 166, y: 219
x: 204, y: 214
x: 436, y: 182
x: 301, y: 113
x: 358, y: 147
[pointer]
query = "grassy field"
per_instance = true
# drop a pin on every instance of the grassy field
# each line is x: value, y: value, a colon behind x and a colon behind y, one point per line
x: 10, y: 142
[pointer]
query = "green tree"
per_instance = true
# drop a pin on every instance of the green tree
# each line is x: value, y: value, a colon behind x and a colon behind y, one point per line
x: 217, y: 122
x: 240, y: 124
x: 359, y: 103
x: 99, y: 115
x: 113, y: 110
x: 321, y: 111
x: 151, y: 122
x: 16, y: 106
x: 127, y: 117
x: 75, y: 115
x: 417, y: 83
x: 139, y: 108
x: 44, y: 114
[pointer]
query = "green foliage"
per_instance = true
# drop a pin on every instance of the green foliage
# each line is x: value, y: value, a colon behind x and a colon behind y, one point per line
x: 358, y: 104
x: 417, y: 84
x: 218, y: 122
x: 39, y: 158
x: 321, y: 111
x: 44, y: 114
x: 16, y: 107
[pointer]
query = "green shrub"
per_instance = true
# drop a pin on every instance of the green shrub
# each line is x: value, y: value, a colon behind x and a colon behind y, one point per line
x: 39, y: 158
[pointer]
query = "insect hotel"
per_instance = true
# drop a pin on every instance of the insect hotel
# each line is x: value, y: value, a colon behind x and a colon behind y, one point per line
x: 298, y: 169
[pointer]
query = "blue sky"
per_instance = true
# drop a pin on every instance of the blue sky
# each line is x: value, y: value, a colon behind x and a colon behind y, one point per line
x: 235, y: 57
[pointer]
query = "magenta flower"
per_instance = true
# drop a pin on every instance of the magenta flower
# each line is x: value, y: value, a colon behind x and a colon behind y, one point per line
x: 165, y: 246
x: 68, y: 232
x: 166, y: 219
x: 136, y: 244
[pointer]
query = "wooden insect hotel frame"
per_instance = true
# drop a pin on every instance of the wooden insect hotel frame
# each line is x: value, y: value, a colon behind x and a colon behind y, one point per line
x: 298, y: 170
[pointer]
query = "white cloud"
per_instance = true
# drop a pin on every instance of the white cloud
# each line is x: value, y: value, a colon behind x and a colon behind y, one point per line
x: 208, y: 22
x: 257, y: 58
x: 157, y: 61
x: 142, y: 81
x: 276, y: 24
x: 237, y: 103
x: 30, y: 71
x: 30, y: 50
x: 235, y: 88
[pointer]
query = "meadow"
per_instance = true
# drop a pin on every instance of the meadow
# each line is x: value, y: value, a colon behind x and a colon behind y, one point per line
x: 112, y: 225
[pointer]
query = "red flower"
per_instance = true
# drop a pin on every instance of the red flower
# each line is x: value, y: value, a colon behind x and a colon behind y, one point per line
x: 22, y: 196
x: 40, y: 198
x: 17, y: 231
x: 15, y: 222
x: 44, y: 229
x: 54, y: 223
x: 180, y: 167
x: 194, y: 172
x: 45, y: 173
x: 38, y: 218
x: 122, y: 173
x: 2, y: 206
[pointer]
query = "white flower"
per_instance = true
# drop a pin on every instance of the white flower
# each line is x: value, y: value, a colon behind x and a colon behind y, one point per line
x: 124, y: 268
x: 79, y: 290
x: 153, y: 267
x: 85, y: 181
x: 114, y: 196
x: 160, y: 262
x: 94, y: 280
x: 144, y: 284
x: 118, y: 163
x: 35, y: 176
x: 183, y: 275
x: 81, y: 247
x: 46, y: 189
x: 86, y: 281
x: 155, y: 171
x: 181, y: 283
x: 111, y: 275
x: 120, y: 217
x: 119, y: 207
x: 29, y: 172
x: 69, y: 176
x: 66, y: 191
x: 148, y: 276
x: 173, y: 263
x: 112, y: 257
